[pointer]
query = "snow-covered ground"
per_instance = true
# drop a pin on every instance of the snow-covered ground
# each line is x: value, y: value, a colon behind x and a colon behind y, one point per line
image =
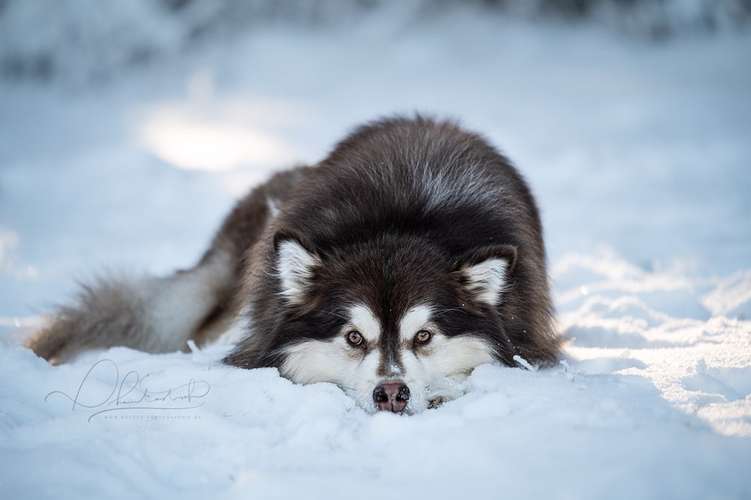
x: 640, y: 156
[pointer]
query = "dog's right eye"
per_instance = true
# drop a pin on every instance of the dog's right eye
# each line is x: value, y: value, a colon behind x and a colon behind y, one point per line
x: 354, y: 338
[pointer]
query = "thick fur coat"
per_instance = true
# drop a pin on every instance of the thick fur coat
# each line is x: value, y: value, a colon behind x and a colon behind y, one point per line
x: 408, y: 256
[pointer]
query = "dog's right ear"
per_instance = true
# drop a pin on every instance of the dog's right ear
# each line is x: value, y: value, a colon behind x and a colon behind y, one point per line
x: 295, y: 266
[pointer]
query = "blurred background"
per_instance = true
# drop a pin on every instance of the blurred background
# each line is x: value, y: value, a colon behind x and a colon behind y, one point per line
x: 93, y: 40
x: 128, y: 128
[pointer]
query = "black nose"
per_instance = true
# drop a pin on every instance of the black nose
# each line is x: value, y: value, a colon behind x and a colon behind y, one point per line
x: 391, y: 396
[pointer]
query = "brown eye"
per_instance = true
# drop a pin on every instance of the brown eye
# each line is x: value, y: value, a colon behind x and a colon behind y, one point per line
x: 354, y: 338
x: 423, y: 337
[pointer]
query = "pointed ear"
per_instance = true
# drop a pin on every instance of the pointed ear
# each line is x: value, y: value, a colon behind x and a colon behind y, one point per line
x: 484, y: 272
x: 295, y: 266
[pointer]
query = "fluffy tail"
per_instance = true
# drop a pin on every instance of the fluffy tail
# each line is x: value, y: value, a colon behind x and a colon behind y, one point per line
x: 153, y: 314
x: 160, y: 314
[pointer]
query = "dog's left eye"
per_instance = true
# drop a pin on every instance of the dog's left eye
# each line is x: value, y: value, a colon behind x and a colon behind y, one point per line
x: 423, y: 337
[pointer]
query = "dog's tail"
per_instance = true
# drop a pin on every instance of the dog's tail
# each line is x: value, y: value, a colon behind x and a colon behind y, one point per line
x: 153, y: 314
x: 160, y: 314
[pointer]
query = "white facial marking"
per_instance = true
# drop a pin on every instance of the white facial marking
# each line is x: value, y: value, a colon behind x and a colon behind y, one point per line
x: 436, y: 372
x: 333, y: 361
x: 295, y: 269
x: 413, y: 321
x: 487, y: 280
x: 394, y: 370
x: 432, y: 371
x: 363, y: 319
x: 315, y: 361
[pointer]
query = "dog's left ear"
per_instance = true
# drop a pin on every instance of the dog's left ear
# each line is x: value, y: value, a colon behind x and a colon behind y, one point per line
x: 485, y: 272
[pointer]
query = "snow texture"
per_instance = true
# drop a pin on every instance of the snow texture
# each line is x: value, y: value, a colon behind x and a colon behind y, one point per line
x: 639, y: 156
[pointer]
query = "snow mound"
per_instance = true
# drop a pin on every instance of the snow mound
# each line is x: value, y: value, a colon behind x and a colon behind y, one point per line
x: 246, y: 431
x: 668, y: 414
x: 732, y: 296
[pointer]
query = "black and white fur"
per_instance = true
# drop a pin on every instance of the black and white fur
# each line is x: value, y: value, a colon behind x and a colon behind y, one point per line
x: 414, y: 234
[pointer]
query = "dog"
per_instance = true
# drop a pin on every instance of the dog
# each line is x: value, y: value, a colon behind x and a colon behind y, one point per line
x: 407, y: 257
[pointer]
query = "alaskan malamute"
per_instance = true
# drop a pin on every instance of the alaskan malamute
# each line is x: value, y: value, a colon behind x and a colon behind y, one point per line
x: 410, y: 255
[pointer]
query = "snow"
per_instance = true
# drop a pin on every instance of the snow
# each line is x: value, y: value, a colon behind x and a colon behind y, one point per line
x: 638, y: 154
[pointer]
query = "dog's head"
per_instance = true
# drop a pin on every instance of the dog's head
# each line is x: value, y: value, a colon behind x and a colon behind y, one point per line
x: 393, y: 321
